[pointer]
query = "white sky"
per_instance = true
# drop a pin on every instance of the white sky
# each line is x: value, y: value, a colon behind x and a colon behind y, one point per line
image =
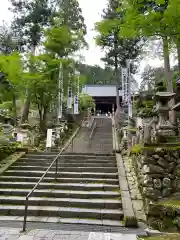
x: 92, y: 13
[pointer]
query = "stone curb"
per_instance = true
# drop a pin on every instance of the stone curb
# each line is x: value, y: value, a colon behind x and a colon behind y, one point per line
x: 129, y: 216
x: 114, y: 137
x: 7, y: 162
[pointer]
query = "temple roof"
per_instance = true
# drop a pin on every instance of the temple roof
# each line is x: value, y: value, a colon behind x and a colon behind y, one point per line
x: 101, y: 90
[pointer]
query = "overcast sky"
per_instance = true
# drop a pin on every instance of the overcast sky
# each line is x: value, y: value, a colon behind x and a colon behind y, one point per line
x: 92, y: 13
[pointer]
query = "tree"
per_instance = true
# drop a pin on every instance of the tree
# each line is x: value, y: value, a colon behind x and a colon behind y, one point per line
x: 117, y: 49
x: 30, y: 17
x: 43, y: 85
x: 150, y: 77
x: 96, y: 74
x: 65, y: 37
x: 11, y: 75
x: 8, y: 41
x: 85, y: 102
x: 71, y: 16
x: 153, y: 18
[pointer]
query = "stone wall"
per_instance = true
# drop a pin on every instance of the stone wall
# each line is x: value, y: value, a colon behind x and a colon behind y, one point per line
x: 158, y: 172
x: 164, y: 217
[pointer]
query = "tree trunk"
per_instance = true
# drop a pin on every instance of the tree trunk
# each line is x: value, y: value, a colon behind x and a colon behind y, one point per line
x: 26, y: 107
x: 42, y: 123
x: 168, y: 76
x: 116, y: 75
x: 14, y: 108
x: 178, y: 52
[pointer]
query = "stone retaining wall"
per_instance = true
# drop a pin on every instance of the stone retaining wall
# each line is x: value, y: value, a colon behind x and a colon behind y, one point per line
x: 164, y: 217
x: 158, y: 172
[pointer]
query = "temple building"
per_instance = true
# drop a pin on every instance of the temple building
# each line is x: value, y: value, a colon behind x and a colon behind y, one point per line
x: 104, y: 96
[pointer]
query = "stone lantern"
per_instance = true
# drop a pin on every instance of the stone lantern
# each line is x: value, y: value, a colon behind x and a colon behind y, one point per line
x: 164, y: 127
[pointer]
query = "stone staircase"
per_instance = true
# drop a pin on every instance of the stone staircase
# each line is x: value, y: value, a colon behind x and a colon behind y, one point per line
x: 102, y: 138
x: 86, y: 191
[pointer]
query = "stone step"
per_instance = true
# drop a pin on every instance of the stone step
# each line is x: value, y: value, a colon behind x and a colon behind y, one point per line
x: 83, y: 161
x: 76, y: 157
x: 66, y: 186
x: 88, y: 154
x: 63, y: 202
x: 66, y: 169
x: 65, y: 212
x: 43, y: 153
x: 62, y: 174
x: 65, y: 164
x: 44, y: 156
x: 62, y: 193
x: 61, y: 220
x: 65, y: 180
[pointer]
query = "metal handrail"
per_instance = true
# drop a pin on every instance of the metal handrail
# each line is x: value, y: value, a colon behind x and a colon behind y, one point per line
x: 92, y: 131
x: 37, y: 184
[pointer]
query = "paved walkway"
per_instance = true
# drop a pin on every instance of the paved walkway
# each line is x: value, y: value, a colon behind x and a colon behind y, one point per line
x: 36, y: 234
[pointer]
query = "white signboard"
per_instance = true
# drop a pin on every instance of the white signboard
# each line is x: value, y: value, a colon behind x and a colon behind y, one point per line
x: 49, y: 138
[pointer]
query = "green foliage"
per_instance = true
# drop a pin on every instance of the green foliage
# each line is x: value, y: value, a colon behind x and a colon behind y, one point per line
x: 85, y: 102
x: 11, y: 66
x: 30, y: 17
x: 96, y: 74
x: 117, y: 49
x: 6, y: 150
x: 136, y: 149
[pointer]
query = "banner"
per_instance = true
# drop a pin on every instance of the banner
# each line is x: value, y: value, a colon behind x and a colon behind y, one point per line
x: 129, y: 89
x: 76, y: 97
x: 76, y: 105
x: 124, y: 85
x: 70, y: 98
x: 60, y: 94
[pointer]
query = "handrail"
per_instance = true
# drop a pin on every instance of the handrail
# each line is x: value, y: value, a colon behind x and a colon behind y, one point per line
x: 92, y: 131
x: 37, y: 184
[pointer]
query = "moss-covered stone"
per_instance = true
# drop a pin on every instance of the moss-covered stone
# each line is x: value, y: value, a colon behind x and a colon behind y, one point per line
x: 174, y: 236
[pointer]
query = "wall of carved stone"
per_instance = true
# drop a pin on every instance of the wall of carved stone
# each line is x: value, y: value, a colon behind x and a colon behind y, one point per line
x: 158, y: 172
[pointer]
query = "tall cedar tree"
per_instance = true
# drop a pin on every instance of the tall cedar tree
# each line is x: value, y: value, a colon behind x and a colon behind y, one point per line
x: 71, y: 16
x: 30, y: 17
x: 117, y: 49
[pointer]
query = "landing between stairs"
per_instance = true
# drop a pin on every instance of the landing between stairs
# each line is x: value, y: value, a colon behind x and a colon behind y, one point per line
x: 43, y: 234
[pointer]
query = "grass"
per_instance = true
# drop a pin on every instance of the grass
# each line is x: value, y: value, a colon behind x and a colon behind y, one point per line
x: 172, y: 236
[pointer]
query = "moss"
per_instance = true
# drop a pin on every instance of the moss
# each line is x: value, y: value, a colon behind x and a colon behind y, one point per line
x: 170, y: 147
x: 168, y: 223
x: 162, y: 237
x: 171, y: 203
x: 137, y: 148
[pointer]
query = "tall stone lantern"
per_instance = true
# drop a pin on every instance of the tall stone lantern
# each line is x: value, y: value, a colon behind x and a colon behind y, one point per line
x: 164, y: 127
